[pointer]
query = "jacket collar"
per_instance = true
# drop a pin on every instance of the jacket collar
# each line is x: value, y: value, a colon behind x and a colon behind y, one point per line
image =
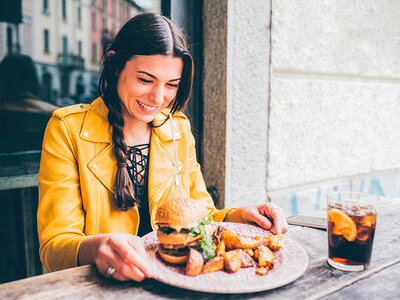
x: 96, y: 128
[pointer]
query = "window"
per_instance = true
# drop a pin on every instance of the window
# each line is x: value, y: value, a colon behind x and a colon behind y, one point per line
x: 94, y: 20
x: 46, y: 47
x: 114, y: 7
x: 79, y: 15
x: 122, y: 7
x: 104, y: 23
x: 104, y: 5
x: 80, y: 48
x: 45, y: 6
x: 64, y: 9
x: 47, y: 87
x: 10, y: 41
x: 94, y: 52
x: 65, y: 44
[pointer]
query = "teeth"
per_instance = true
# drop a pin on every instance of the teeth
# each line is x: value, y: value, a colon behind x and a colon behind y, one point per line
x: 146, y: 106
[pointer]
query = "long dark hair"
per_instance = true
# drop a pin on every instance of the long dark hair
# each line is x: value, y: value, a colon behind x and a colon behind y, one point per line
x: 144, y: 34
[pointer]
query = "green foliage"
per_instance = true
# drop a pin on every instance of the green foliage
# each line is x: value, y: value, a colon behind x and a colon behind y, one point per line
x: 206, y: 243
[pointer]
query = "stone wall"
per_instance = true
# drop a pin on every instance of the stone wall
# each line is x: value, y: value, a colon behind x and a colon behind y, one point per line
x: 235, y: 91
x: 335, y: 99
x: 300, y: 98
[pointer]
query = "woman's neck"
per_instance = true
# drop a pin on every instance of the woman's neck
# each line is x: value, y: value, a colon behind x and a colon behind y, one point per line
x: 136, y: 133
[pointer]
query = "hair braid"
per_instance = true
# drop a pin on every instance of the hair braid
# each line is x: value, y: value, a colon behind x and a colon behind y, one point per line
x: 144, y: 34
x: 124, y: 197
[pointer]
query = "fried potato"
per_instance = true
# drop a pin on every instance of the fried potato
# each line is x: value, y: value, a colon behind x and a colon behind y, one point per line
x: 262, y: 270
x: 275, y: 242
x: 215, y: 264
x: 194, y: 263
x: 220, y: 248
x: 235, y: 241
x: 264, y: 256
x: 250, y: 252
x: 247, y: 260
x: 232, y: 260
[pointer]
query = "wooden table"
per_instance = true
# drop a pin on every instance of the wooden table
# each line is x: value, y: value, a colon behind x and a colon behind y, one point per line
x: 380, y: 281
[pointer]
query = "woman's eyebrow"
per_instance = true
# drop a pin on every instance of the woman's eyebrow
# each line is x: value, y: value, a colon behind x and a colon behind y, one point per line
x: 152, y: 76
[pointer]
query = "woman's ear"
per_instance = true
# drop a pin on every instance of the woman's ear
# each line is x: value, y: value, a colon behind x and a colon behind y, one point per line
x: 110, y: 53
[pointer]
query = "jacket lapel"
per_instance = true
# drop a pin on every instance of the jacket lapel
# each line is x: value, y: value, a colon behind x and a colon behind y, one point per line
x: 104, y: 167
x: 162, y: 167
x: 96, y: 129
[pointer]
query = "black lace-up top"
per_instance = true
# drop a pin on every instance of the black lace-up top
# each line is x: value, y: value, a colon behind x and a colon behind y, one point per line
x: 137, y: 169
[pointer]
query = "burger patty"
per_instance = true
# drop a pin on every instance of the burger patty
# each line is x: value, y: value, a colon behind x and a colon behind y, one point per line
x: 191, y: 244
x: 175, y: 252
x: 169, y: 230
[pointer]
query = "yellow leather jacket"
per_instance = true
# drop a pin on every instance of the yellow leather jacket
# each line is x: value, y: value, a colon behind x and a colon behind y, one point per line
x: 76, y: 179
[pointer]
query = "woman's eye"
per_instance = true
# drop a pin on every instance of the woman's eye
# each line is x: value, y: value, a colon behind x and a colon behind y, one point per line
x: 172, y: 85
x: 144, y: 80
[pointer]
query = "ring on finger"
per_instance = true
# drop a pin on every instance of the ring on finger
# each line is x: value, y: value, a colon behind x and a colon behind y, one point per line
x: 110, y: 271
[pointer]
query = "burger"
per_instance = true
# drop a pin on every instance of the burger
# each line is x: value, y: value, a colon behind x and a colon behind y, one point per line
x: 183, y: 224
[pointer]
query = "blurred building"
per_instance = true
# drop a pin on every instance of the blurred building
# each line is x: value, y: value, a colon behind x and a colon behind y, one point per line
x: 65, y: 38
x: 106, y: 17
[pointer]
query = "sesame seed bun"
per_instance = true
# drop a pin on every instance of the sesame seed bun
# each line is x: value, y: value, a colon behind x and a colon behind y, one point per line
x: 181, y: 212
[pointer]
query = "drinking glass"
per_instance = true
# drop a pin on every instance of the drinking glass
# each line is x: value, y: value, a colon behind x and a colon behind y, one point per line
x: 351, y: 229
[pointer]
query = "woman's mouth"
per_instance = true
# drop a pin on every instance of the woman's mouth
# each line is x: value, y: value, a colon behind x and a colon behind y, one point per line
x: 147, y: 108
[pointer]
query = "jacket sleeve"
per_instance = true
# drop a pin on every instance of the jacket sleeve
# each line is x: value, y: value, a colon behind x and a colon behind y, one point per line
x: 198, y: 189
x: 60, y: 215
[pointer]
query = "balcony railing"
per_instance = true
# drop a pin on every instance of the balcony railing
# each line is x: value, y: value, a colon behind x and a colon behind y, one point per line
x: 70, y: 61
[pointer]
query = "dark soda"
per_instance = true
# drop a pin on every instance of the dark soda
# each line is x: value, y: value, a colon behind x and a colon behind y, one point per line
x: 345, y: 248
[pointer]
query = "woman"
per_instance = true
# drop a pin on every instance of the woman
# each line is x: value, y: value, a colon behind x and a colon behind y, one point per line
x: 106, y: 167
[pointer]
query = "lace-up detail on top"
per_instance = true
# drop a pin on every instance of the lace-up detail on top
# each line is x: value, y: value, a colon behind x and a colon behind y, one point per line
x: 137, y: 168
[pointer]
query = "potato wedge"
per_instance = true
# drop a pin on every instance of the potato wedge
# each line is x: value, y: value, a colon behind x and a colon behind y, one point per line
x: 234, y: 241
x: 248, y: 243
x: 247, y: 260
x: 194, y: 263
x: 275, y: 242
x: 264, y: 256
x: 250, y: 252
x: 220, y: 248
x: 232, y: 260
x: 262, y: 270
x: 215, y: 264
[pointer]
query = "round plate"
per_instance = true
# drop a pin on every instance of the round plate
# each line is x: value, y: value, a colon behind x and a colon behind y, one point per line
x: 291, y: 262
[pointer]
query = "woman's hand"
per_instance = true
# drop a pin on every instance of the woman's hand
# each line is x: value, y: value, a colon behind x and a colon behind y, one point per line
x: 117, y: 255
x: 268, y: 216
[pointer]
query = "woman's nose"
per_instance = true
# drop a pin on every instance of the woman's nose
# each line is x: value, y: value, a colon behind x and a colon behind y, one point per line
x: 158, y: 95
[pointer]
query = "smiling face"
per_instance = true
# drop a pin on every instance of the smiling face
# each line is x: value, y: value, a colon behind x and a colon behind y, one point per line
x: 147, y: 85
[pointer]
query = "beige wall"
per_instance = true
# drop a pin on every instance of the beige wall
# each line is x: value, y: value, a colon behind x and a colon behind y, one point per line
x: 235, y: 91
x: 329, y: 119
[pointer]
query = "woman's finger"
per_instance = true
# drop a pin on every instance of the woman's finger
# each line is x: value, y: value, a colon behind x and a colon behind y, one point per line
x: 129, y: 272
x: 107, y: 260
x: 131, y: 254
x: 276, y: 214
x: 261, y: 220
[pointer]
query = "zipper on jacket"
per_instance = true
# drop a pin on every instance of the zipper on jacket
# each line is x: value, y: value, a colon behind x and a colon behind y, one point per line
x: 101, y: 197
x: 156, y: 204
